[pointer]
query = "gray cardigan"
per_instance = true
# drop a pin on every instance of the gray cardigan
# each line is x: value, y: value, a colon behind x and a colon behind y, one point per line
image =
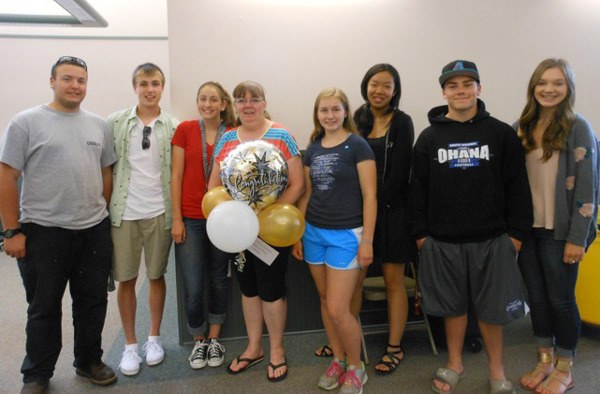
x: 577, y: 186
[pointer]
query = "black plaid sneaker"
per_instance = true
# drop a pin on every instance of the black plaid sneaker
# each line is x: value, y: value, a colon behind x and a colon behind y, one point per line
x: 199, y: 354
x: 216, y: 353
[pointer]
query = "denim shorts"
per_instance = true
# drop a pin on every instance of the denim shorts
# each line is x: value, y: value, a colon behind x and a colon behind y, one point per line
x: 337, y: 249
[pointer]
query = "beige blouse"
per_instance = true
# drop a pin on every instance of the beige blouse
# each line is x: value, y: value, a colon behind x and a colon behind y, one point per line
x: 542, y: 181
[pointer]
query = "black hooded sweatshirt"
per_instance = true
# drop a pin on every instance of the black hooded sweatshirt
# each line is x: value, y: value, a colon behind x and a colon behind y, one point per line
x: 469, y: 181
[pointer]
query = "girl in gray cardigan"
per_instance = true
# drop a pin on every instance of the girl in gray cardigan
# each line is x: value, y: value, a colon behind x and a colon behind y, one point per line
x: 562, y: 166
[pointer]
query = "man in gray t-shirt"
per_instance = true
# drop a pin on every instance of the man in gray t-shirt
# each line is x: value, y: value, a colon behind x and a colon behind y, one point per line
x: 62, y: 233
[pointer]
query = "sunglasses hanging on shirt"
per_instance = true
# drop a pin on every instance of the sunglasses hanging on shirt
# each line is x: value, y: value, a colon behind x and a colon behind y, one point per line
x: 145, y: 140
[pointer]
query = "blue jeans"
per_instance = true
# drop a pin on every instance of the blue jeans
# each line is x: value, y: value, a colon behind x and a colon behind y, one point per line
x: 195, y: 257
x: 551, y: 289
x: 54, y: 257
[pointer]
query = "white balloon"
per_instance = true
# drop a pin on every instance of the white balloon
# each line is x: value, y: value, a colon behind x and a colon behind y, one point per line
x: 232, y: 226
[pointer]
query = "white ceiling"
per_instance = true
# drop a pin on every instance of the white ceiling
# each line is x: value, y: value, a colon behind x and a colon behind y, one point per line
x: 130, y: 18
x: 32, y: 7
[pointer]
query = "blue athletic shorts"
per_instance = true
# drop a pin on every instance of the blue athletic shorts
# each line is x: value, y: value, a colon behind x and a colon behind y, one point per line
x: 336, y: 248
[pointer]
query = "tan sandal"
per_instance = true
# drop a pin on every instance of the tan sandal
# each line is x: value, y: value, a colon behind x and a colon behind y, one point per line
x: 560, y: 365
x: 541, y: 371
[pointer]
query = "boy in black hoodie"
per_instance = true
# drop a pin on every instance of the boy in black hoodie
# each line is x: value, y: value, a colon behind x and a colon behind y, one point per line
x: 471, y: 205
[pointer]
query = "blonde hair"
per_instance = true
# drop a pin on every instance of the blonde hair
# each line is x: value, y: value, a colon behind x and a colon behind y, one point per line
x: 564, y: 116
x: 318, y: 132
x: 147, y: 69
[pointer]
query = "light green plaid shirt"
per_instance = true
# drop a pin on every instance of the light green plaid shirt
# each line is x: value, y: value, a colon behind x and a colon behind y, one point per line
x: 121, y: 124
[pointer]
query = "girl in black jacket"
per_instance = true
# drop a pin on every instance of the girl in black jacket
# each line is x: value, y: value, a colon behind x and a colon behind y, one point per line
x: 390, y: 133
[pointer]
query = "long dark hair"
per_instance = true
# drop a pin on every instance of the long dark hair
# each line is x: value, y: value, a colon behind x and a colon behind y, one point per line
x: 363, y: 117
x: 564, y: 116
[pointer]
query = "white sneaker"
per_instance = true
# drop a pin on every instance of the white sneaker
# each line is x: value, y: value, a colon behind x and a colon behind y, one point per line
x: 154, y: 352
x: 353, y: 380
x: 216, y: 353
x: 198, y: 358
x: 130, y: 362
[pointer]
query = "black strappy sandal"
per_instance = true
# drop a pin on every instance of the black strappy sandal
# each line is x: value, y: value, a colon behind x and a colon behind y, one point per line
x: 393, y: 357
x: 324, y: 351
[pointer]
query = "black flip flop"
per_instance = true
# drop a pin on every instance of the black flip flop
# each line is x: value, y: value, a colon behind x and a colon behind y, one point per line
x: 276, y: 367
x: 250, y: 361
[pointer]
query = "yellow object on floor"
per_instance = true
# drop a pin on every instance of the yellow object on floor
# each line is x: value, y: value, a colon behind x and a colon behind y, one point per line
x: 588, y: 285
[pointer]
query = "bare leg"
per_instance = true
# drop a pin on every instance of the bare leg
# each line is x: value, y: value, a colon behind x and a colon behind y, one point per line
x: 492, y: 339
x: 214, y: 330
x: 275, y: 314
x: 455, y: 336
x: 340, y: 287
x: 356, y: 302
x: 355, y: 306
x: 127, y: 301
x: 393, y: 275
x: 319, y: 274
x: 253, y: 317
x: 156, y: 300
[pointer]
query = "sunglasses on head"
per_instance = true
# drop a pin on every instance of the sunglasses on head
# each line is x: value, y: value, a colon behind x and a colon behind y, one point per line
x: 145, y: 140
x: 69, y: 60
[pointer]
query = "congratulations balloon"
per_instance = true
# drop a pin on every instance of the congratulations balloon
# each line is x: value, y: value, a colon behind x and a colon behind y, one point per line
x: 255, y: 173
x: 280, y: 224
x: 232, y: 226
x: 214, y: 197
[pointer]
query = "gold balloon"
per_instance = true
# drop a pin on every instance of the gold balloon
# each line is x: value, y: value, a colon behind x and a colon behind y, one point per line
x: 214, y: 197
x: 255, y: 173
x: 280, y: 224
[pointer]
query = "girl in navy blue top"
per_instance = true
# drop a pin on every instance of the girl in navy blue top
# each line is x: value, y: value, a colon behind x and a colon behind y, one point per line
x: 340, y: 207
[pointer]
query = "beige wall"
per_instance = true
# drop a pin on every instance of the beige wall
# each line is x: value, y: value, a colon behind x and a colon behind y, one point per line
x: 26, y: 71
x: 297, y: 48
x: 137, y: 33
x: 131, y: 18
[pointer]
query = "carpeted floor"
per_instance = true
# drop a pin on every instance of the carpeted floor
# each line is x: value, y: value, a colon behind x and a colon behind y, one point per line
x: 175, y: 376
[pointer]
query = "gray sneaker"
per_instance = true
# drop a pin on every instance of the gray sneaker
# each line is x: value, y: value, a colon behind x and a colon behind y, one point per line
x: 331, y: 378
x: 198, y: 358
x: 216, y: 353
x: 354, y: 379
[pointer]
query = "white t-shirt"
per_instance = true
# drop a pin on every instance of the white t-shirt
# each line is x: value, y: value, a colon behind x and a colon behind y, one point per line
x: 144, y: 196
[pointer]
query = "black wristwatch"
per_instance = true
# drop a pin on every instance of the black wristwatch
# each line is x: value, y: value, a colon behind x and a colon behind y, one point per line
x: 11, y: 232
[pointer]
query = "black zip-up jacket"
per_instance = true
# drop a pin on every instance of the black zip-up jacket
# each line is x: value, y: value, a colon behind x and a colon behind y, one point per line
x: 398, y: 157
x: 469, y: 181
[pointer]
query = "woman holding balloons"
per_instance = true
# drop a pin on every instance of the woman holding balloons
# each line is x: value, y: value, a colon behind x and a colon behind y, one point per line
x: 262, y: 286
x: 193, y: 145
x: 340, y: 206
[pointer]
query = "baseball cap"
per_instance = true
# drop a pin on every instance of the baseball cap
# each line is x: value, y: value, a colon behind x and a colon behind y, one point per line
x: 459, y: 67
